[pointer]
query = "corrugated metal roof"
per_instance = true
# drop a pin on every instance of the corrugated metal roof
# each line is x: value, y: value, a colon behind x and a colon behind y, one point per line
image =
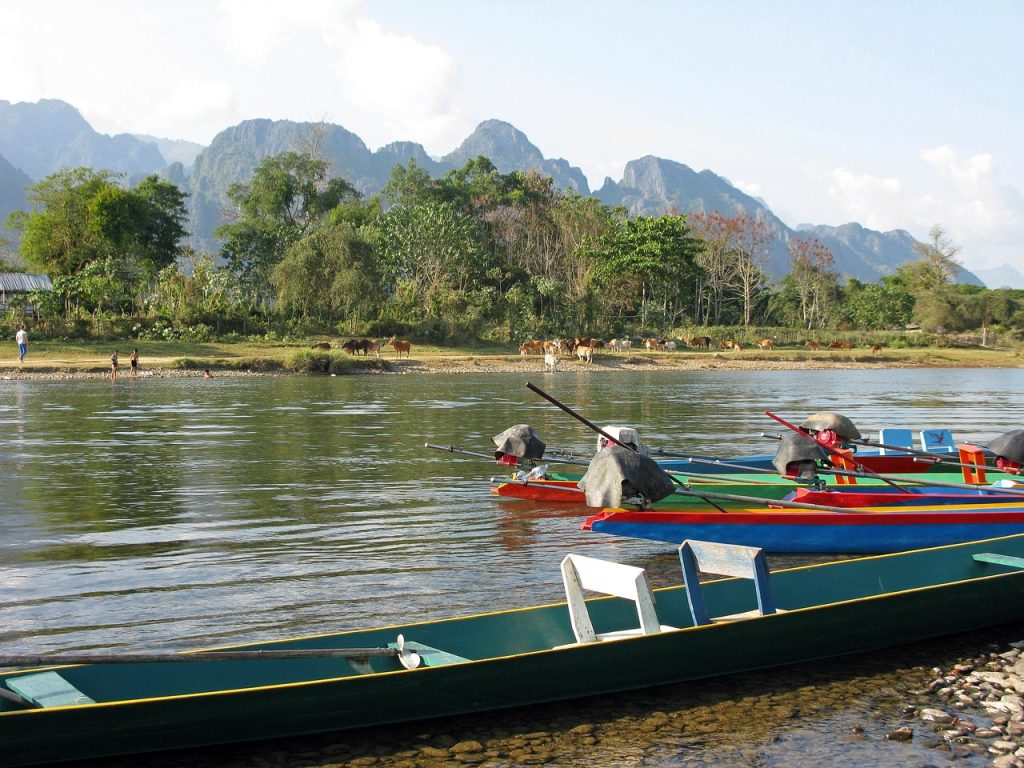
x: 21, y: 281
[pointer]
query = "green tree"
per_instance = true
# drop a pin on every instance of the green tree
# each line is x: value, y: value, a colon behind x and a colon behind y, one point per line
x: 878, y: 306
x: 287, y: 196
x: 56, y: 234
x: 433, y: 248
x: 329, y: 273
x: 650, y: 259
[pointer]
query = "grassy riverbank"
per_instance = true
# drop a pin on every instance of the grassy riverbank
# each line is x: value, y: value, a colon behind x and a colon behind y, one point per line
x: 64, y: 359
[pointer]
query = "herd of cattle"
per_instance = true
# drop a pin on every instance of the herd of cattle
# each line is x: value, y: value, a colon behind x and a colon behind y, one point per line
x: 584, y: 347
x: 366, y: 346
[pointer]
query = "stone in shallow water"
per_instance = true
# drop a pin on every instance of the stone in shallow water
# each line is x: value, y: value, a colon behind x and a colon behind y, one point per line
x: 904, y: 733
x: 932, y: 715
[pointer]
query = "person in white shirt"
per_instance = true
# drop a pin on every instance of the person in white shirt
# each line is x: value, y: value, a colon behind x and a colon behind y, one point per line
x: 22, y: 338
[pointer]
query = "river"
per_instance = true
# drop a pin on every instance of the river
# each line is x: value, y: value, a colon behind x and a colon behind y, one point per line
x: 159, y: 514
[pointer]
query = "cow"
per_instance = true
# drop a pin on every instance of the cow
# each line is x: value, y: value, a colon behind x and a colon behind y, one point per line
x: 374, y: 346
x: 568, y: 346
x: 653, y: 345
x: 615, y: 345
x: 670, y: 346
x: 840, y: 345
x: 531, y: 347
x: 355, y: 346
x: 766, y: 343
x: 727, y: 344
x: 400, y: 346
x: 551, y: 362
x: 585, y: 353
x: 876, y: 348
x: 813, y: 345
x: 322, y: 345
x: 703, y: 342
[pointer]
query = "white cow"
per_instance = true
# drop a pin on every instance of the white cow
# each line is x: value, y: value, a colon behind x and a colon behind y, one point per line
x: 551, y: 362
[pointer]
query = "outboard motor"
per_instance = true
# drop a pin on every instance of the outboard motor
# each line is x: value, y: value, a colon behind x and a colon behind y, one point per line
x: 1009, y: 451
x: 624, y: 435
x: 831, y: 429
x: 616, y: 473
x: 798, y: 457
x: 518, y: 442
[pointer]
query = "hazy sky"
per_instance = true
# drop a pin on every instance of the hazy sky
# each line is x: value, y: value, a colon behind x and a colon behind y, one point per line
x: 898, y: 114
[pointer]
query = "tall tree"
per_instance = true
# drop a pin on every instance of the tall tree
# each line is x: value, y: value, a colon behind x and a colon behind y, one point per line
x: 329, y: 273
x: 286, y: 197
x: 812, y: 279
x: 650, y: 259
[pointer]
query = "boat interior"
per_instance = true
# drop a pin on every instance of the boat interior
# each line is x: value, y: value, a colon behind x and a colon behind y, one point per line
x: 625, y: 610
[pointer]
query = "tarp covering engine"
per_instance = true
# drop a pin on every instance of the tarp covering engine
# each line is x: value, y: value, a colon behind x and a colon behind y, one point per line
x: 1009, y: 446
x: 625, y: 436
x: 826, y: 421
x: 797, y: 456
x: 617, y: 473
x: 520, y: 441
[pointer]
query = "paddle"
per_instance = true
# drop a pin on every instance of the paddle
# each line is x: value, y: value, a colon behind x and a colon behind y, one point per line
x: 147, y: 658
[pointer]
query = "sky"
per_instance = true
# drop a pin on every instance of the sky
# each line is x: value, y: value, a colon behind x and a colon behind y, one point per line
x: 897, y: 114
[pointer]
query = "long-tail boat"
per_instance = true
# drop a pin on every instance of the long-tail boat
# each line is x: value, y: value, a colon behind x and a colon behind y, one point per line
x: 92, y: 706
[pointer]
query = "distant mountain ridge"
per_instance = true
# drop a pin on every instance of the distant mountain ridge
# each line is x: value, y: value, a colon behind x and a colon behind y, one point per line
x: 43, y: 137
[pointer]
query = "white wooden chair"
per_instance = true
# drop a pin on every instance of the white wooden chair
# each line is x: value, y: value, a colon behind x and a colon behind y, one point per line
x: 937, y: 441
x: 896, y: 438
x: 581, y: 573
x: 724, y: 560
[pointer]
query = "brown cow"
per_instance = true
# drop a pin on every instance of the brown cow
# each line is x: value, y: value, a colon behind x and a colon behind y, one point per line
x: 585, y: 353
x: 876, y: 348
x: 322, y: 345
x: 531, y: 347
x: 374, y: 346
x: 840, y: 345
x: 400, y: 346
x: 704, y: 342
x: 766, y: 343
x: 810, y: 344
x: 727, y: 344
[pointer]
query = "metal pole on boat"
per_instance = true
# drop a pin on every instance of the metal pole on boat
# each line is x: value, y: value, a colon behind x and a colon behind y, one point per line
x: 925, y: 457
x: 63, y: 659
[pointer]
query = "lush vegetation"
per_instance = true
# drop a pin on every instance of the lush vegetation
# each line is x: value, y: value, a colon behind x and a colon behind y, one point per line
x: 474, y: 255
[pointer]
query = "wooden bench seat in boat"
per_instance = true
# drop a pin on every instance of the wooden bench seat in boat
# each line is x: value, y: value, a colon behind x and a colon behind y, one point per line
x: 47, y: 689
x: 724, y: 560
x: 997, y: 559
x: 581, y: 573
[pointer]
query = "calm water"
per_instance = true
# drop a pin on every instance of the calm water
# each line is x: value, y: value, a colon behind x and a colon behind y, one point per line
x: 170, y: 514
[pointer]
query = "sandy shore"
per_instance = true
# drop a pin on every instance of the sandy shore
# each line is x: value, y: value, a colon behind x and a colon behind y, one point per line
x: 445, y: 363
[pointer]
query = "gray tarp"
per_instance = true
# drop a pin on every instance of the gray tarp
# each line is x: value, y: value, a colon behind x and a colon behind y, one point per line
x: 520, y: 441
x: 1009, y: 445
x: 617, y: 473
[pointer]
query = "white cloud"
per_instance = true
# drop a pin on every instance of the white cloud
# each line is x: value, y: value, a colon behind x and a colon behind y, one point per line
x: 131, y: 67
x: 963, y: 195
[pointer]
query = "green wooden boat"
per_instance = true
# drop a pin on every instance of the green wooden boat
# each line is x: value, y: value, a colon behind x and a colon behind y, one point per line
x: 147, y: 703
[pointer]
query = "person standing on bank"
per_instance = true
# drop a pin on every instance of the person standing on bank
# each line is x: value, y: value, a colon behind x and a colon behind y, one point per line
x: 113, y: 366
x: 134, y: 361
x: 22, y: 338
